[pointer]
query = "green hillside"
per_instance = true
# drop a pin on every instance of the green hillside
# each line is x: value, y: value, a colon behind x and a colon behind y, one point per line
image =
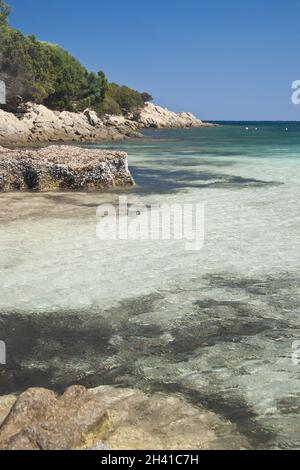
x: 47, y: 74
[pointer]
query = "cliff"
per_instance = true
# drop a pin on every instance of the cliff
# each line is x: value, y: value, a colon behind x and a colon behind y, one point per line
x: 62, y: 168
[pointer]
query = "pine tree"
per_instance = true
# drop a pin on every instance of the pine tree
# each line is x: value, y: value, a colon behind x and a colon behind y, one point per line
x: 104, y: 86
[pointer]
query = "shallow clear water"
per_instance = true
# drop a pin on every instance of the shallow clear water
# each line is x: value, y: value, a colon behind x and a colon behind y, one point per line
x: 217, y: 325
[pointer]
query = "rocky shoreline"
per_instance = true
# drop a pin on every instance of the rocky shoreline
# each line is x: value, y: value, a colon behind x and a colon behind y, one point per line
x: 156, y: 117
x: 108, y: 418
x: 38, y: 124
x: 66, y: 168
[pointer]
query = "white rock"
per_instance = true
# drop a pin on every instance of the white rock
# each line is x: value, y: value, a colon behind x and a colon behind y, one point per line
x: 92, y: 117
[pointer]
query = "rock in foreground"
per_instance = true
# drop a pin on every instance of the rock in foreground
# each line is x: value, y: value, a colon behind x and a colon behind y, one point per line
x: 63, y: 168
x: 106, y: 417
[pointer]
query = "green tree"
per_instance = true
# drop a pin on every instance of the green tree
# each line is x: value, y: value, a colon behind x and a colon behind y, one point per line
x: 128, y: 100
x: 146, y: 97
x: 5, y: 11
x: 45, y: 73
x: 104, y: 86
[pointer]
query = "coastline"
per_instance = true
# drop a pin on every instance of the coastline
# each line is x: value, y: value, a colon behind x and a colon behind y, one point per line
x: 69, y: 168
x: 112, y: 325
x: 40, y: 125
x: 150, y: 260
x: 113, y: 419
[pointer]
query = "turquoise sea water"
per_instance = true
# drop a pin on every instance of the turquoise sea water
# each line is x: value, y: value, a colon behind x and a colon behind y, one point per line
x: 218, y: 325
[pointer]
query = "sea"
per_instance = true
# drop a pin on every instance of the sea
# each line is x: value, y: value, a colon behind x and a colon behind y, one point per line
x: 219, y: 324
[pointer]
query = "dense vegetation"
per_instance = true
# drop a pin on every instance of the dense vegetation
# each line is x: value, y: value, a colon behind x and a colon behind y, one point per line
x: 45, y: 73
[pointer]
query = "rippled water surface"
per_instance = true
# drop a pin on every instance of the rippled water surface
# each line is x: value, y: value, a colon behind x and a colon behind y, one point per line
x: 217, y: 325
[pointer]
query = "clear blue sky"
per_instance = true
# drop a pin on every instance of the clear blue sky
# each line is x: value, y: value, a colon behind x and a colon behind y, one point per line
x: 221, y: 59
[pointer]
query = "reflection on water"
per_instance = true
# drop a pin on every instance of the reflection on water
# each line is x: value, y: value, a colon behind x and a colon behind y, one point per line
x: 217, y: 325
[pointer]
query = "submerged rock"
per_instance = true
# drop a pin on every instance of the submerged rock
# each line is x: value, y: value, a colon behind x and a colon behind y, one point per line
x: 111, y: 418
x: 62, y: 168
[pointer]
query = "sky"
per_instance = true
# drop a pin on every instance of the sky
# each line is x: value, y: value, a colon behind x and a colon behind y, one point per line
x: 220, y: 59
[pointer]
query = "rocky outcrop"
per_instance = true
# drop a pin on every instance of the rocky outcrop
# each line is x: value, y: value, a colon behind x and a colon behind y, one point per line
x: 158, y: 117
x: 62, y: 168
x: 111, y: 418
x: 39, y: 124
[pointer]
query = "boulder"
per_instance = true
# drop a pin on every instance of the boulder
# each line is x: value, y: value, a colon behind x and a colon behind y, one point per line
x: 92, y: 117
x: 113, y: 418
x: 42, y: 420
x: 64, y: 168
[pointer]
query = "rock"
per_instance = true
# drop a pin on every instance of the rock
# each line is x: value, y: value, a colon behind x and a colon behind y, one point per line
x: 163, y: 422
x: 64, y: 168
x: 42, y: 420
x: 21, y: 442
x: 92, y: 117
x: 6, y: 404
x: 123, y: 125
x: 101, y: 446
x: 38, y: 124
x: 111, y: 418
x: 158, y: 117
